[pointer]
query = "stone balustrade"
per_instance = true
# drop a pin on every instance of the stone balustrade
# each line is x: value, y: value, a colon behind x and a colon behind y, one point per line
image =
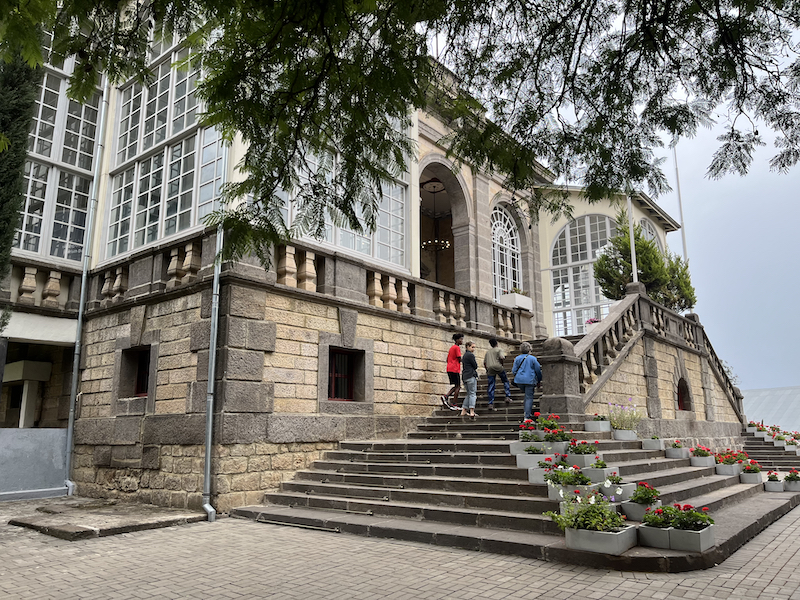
x: 41, y: 286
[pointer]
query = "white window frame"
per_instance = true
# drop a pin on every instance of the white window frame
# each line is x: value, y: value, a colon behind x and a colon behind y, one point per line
x: 506, y: 252
x: 650, y: 232
x: 577, y: 246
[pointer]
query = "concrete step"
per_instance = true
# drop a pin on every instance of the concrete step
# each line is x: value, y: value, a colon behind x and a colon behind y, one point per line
x: 430, y: 470
x: 484, y: 458
x: 735, y: 525
x: 453, y: 435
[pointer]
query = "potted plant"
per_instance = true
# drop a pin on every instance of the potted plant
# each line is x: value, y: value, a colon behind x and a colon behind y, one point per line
x: 544, y: 466
x: 595, y: 527
x: 791, y: 483
x: 751, y: 472
x: 532, y: 456
x: 654, y: 443
x: 676, y: 450
x: 615, y: 489
x: 779, y: 440
x: 516, y: 298
x: 644, y: 496
x: 761, y: 432
x: 701, y: 457
x: 655, y: 528
x: 598, y: 423
x: 791, y: 445
x: 598, y: 471
x: 624, y: 418
x: 752, y: 426
x: 773, y: 484
x: 692, y: 530
x: 592, y: 497
x: 730, y: 462
x: 565, y: 482
x: 581, y: 453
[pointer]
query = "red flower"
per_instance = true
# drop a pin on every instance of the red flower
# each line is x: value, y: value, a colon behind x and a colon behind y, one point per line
x: 624, y: 518
x: 705, y: 509
x: 647, y: 509
x: 577, y: 491
x: 536, y: 414
x: 556, y: 417
x: 658, y: 511
x: 596, y: 442
x: 548, y: 459
x: 597, y: 458
x: 575, y: 467
x: 687, y: 507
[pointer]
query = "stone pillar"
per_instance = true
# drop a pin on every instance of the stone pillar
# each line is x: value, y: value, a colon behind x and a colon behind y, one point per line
x: 307, y: 273
x: 708, y: 388
x: 389, y: 295
x: 52, y: 290
x: 27, y: 287
x: 560, y: 381
x: 375, y: 289
x: 191, y: 262
x: 651, y: 378
x: 287, y: 267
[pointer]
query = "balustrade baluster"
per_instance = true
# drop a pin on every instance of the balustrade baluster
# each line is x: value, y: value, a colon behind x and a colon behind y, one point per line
x: 509, y: 323
x: 499, y: 322
x: 191, y: 262
x: 120, y: 284
x: 462, y: 312
x: 287, y: 267
x: 451, y: 309
x: 389, y: 293
x: 307, y: 273
x: 375, y: 289
x: 27, y: 287
x: 404, y: 299
x: 52, y: 290
x: 439, y: 307
x: 105, y: 292
x: 175, y: 270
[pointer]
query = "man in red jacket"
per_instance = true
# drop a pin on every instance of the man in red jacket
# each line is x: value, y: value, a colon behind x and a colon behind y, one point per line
x: 454, y: 372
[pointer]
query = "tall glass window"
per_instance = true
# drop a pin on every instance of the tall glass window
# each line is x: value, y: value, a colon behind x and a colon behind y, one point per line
x: 576, y: 293
x: 649, y: 232
x: 506, y: 264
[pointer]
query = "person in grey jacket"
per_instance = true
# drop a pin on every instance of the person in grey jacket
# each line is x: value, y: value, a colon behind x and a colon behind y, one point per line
x: 527, y: 375
x: 469, y: 375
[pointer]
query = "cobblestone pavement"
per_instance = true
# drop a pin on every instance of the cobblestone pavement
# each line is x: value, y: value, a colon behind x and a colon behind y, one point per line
x: 241, y: 559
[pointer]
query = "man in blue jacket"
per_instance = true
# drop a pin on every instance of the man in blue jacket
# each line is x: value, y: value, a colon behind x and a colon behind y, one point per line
x: 527, y: 374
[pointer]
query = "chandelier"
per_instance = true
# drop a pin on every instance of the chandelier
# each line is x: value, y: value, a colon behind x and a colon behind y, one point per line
x: 434, y: 186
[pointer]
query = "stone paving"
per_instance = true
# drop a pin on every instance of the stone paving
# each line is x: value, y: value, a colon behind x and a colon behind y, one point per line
x: 242, y: 559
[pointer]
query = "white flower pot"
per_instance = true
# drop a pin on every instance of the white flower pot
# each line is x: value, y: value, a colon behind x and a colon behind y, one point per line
x: 537, y: 433
x: 677, y: 452
x: 625, y: 435
x: 635, y: 511
x: 597, y: 426
x: 750, y: 429
x: 654, y: 537
x: 581, y: 460
x: 518, y: 447
x: 598, y: 475
x: 626, y: 489
x: 605, y: 542
x: 763, y: 434
x: 791, y: 448
x: 565, y: 492
x: 692, y: 541
x: 528, y: 461
x: 750, y: 477
x: 516, y: 301
x: 779, y: 443
x: 536, y: 475
x: 773, y: 486
x: 729, y: 470
x: 652, y: 444
x: 791, y: 486
x: 702, y: 461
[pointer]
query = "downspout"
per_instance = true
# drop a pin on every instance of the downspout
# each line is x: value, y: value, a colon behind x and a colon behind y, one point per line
x: 212, y: 368
x: 87, y: 255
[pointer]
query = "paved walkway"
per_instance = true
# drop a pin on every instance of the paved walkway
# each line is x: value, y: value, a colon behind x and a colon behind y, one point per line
x: 242, y: 559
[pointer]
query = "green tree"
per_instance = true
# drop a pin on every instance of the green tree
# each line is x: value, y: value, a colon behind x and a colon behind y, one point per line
x: 19, y: 87
x: 665, y: 275
x: 587, y: 88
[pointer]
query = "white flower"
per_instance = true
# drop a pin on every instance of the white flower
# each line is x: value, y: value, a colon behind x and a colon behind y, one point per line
x: 607, y: 483
x: 561, y: 492
x: 591, y: 500
x: 618, y: 491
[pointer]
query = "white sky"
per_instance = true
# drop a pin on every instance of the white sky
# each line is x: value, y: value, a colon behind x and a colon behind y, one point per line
x: 742, y: 238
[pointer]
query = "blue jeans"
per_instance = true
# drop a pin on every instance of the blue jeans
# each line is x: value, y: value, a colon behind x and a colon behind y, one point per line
x: 471, y: 386
x: 492, y: 383
x: 528, y: 389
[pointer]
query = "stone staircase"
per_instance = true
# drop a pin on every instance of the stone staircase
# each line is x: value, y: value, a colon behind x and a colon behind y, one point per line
x: 768, y: 455
x: 454, y: 482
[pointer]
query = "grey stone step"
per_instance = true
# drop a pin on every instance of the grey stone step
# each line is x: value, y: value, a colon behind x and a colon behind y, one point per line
x: 410, y: 445
x: 734, y: 527
x: 430, y: 470
x: 467, y: 458
x: 452, y: 435
x: 505, y: 487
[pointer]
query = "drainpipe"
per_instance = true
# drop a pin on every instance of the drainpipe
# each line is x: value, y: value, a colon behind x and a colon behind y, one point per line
x: 212, y: 368
x: 87, y: 254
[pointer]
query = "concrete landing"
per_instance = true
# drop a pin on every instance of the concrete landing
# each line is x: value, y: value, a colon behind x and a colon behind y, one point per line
x: 72, y: 518
x: 735, y: 525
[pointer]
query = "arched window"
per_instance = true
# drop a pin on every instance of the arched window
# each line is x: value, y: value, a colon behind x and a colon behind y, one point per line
x: 649, y: 232
x: 506, y: 265
x: 576, y: 294
x: 684, y: 397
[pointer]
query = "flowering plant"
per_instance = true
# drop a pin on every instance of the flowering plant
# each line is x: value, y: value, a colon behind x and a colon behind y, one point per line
x: 599, y: 463
x: 624, y: 416
x: 751, y: 467
x: 779, y: 437
x: 596, y: 516
x: 772, y: 476
x: 677, y: 444
x: 792, y: 475
x: 582, y: 447
x: 730, y: 457
x: 761, y: 428
x: 592, y: 321
x: 534, y: 450
x: 791, y: 442
x: 660, y: 517
x: 687, y: 517
x: 613, y: 479
x: 700, y: 451
x: 556, y: 435
x: 752, y: 424
x: 645, y: 493
x: 600, y: 417
x: 548, y: 422
x: 566, y: 476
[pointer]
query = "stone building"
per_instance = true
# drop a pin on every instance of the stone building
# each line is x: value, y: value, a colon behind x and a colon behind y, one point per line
x: 343, y: 338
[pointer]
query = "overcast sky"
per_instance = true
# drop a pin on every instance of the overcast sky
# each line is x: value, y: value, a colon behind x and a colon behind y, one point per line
x: 742, y: 237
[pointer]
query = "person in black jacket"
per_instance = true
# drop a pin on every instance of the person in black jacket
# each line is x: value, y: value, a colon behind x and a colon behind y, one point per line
x: 469, y: 375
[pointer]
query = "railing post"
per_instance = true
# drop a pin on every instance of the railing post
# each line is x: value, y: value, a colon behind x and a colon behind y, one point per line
x: 560, y: 379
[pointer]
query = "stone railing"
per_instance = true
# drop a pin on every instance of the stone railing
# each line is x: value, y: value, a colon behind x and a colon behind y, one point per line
x: 722, y: 374
x: 42, y: 286
x: 599, y: 347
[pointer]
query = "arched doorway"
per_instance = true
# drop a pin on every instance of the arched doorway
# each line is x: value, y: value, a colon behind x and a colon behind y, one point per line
x: 437, y: 248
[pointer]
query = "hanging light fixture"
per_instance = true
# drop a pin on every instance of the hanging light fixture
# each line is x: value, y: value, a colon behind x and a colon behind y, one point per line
x: 434, y: 186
